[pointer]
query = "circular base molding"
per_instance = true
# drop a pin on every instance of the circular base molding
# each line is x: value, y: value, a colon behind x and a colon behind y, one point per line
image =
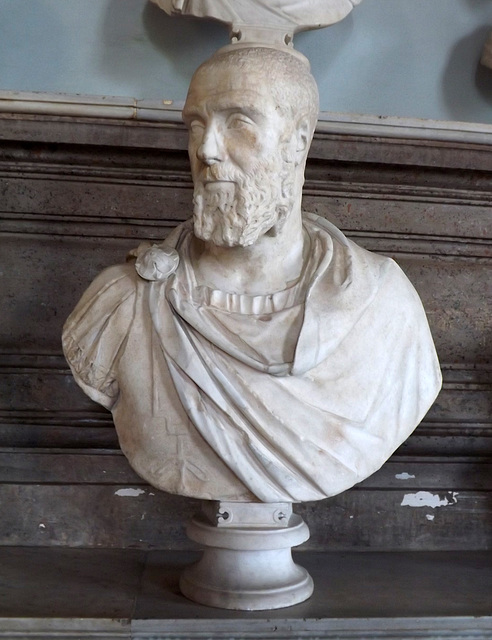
x: 247, y: 568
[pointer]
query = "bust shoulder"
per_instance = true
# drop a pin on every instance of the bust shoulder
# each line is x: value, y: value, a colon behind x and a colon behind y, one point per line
x: 96, y: 330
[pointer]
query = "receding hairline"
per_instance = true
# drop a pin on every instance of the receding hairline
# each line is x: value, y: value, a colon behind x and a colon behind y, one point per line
x: 282, y: 66
x: 253, y: 55
x: 257, y: 58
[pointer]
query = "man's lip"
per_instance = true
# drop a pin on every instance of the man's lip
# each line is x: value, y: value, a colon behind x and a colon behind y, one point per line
x: 213, y: 181
x: 213, y: 185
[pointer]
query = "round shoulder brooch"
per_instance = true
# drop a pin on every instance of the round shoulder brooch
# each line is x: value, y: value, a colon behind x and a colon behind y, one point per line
x: 155, y: 262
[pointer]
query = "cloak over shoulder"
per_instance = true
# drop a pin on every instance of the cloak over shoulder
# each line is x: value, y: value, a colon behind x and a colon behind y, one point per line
x: 207, y: 399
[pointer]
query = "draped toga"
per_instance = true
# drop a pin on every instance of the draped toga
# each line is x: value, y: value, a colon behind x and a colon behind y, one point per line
x: 293, y: 396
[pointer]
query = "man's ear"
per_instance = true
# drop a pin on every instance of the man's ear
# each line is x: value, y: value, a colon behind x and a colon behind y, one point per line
x: 302, y: 139
x: 296, y: 142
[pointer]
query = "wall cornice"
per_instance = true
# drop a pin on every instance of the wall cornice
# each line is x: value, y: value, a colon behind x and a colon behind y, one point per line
x: 168, y: 111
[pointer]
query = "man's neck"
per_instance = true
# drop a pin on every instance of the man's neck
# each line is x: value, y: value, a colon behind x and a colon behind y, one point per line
x: 271, y: 264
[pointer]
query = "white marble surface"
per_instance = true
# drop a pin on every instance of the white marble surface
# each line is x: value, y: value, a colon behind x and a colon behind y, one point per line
x: 247, y: 560
x: 265, y: 357
x: 272, y: 22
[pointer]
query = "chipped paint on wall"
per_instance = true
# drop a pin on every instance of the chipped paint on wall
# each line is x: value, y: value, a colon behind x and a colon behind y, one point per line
x: 129, y: 493
x: 404, y: 476
x: 427, y: 499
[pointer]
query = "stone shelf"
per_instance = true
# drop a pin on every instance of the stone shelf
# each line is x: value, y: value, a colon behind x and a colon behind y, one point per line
x: 53, y: 593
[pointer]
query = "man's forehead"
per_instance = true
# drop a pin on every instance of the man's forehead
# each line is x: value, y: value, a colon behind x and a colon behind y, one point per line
x: 248, y: 83
x: 235, y: 75
x: 229, y: 99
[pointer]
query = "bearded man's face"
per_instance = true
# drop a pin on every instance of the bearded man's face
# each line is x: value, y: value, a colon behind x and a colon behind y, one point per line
x: 243, y: 183
x: 234, y: 208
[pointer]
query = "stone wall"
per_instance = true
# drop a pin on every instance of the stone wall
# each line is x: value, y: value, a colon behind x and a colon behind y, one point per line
x: 78, y: 192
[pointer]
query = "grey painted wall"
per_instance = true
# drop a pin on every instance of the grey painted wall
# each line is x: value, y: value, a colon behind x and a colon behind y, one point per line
x: 417, y: 58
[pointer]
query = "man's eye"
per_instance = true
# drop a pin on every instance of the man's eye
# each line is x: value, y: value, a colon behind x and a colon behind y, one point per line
x: 239, y: 122
x: 196, y: 127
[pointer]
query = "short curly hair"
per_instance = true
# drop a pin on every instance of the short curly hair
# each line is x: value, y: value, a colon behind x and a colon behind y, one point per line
x: 289, y: 78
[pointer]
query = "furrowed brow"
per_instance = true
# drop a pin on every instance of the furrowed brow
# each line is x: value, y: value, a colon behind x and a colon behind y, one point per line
x: 192, y: 113
x: 225, y: 105
x: 250, y: 111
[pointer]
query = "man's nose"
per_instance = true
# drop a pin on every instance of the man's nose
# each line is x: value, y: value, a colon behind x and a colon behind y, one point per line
x: 210, y: 150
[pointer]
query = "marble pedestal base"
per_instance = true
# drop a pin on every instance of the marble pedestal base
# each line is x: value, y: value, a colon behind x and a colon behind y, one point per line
x: 247, y: 562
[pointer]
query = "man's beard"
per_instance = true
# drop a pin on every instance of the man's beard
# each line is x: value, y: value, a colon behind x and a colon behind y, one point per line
x: 240, y: 207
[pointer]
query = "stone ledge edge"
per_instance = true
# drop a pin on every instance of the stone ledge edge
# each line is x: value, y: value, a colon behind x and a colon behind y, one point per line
x: 169, y: 111
x: 431, y: 628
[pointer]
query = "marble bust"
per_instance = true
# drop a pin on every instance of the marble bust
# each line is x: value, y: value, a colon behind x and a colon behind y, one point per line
x: 254, y: 20
x: 257, y: 354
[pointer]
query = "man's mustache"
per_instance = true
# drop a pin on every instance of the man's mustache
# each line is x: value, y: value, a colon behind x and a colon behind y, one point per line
x: 216, y: 173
